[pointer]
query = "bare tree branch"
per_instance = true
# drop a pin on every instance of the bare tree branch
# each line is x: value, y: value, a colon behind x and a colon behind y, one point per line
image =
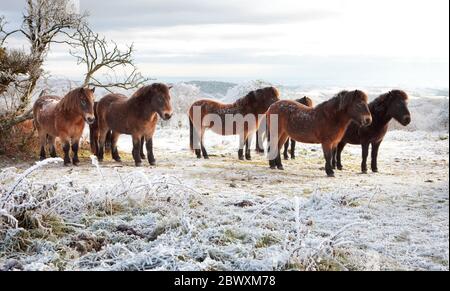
x: 102, y: 56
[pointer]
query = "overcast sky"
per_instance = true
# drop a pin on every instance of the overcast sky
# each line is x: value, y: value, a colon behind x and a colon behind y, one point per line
x: 333, y: 42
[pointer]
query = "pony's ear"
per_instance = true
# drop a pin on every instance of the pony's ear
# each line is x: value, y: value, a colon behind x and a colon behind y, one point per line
x: 93, y: 90
x: 170, y: 87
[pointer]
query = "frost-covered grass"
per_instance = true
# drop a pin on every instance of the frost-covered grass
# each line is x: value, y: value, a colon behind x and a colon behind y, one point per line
x: 223, y: 214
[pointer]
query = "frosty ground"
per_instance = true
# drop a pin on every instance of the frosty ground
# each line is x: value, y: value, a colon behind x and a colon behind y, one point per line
x: 224, y: 214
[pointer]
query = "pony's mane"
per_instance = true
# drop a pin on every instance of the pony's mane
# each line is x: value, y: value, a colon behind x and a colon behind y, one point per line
x: 334, y: 101
x: 306, y: 101
x: 148, y: 90
x: 340, y: 101
x: 254, y: 96
x: 72, y: 100
x: 381, y: 103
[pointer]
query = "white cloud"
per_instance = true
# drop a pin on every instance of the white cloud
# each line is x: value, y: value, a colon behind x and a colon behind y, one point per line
x: 262, y: 37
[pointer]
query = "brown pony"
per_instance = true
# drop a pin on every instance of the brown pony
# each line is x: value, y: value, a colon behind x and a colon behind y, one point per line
x: 309, y: 103
x: 64, y: 118
x: 253, y: 105
x: 326, y: 124
x: 261, y: 134
x: 136, y: 116
x: 392, y: 105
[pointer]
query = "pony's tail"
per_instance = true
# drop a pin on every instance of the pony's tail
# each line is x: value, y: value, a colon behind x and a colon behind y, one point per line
x: 93, y: 139
x: 93, y: 132
x: 108, y: 142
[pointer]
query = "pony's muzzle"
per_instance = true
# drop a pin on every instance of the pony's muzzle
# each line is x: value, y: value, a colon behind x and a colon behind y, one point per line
x: 167, y: 116
x: 366, y: 121
x: 406, y: 120
x: 90, y: 120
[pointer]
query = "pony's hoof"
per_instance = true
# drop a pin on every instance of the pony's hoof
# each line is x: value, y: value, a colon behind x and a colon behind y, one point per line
x: 273, y: 167
x: 375, y: 170
x: 248, y: 158
x: 281, y: 168
x: 241, y: 159
x: 42, y: 158
x: 259, y: 151
x: 286, y: 158
x: 76, y: 164
x: 152, y: 163
x: 364, y: 172
x: 293, y: 157
x: 119, y: 160
x: 332, y: 175
x: 340, y: 168
x: 143, y: 157
x: 138, y: 164
x: 206, y: 158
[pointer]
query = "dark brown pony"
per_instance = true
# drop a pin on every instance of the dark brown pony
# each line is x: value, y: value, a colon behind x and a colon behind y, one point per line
x: 136, y: 116
x: 253, y: 105
x: 325, y: 124
x: 309, y: 103
x: 64, y: 118
x: 392, y: 105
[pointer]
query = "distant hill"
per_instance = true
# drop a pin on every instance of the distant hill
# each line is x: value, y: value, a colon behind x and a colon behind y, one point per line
x: 213, y: 87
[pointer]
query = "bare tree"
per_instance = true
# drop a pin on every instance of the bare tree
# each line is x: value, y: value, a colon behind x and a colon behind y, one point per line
x: 102, y: 58
x: 43, y: 22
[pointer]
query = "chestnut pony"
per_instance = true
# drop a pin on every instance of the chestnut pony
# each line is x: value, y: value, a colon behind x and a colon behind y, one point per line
x: 392, y: 105
x: 64, y: 118
x: 136, y: 116
x: 253, y: 105
x: 260, y: 134
x: 325, y: 124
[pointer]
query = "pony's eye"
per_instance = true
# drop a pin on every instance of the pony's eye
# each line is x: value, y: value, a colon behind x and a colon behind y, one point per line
x: 83, y: 102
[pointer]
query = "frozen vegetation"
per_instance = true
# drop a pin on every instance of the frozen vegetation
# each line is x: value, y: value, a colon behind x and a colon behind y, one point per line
x: 223, y: 214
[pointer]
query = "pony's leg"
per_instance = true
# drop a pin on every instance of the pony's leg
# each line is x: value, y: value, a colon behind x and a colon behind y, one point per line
x: 101, y: 145
x: 241, y: 147
x: 271, y: 144
x: 365, y: 155
x: 282, y: 141
x: 151, y: 156
x: 339, y: 150
x: 52, y: 143
x: 328, y: 154
x: 204, y: 152
x: 293, y: 144
x: 137, y: 150
x: 142, y: 148
x: 375, y: 150
x: 248, y: 152
x: 259, y: 141
x: 108, y: 140
x: 334, y: 158
x: 66, y: 148
x: 286, y: 150
x: 75, y: 148
x: 43, y: 142
x: 114, y: 149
